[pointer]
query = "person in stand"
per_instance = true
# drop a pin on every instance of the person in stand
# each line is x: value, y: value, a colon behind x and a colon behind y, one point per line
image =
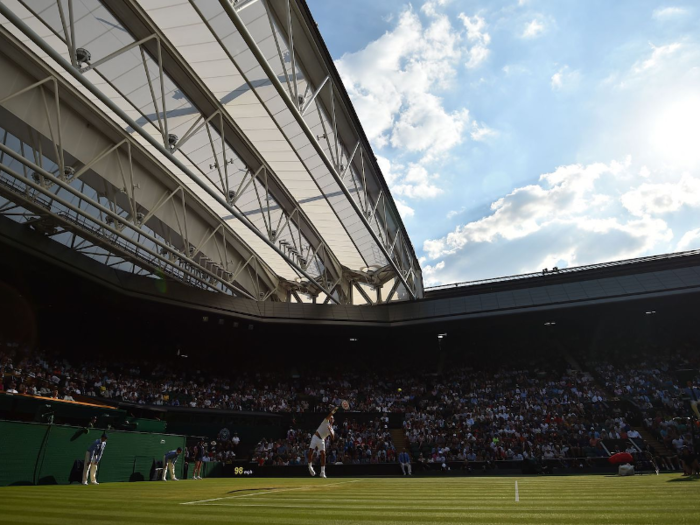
x: 93, y: 455
x: 689, y: 462
x: 198, y: 458
x: 169, y: 461
x: 694, y: 395
x: 405, y: 462
x: 318, y: 442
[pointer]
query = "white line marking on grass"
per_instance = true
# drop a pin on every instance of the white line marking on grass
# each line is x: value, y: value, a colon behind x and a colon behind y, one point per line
x: 268, y: 492
x: 517, y: 495
x: 316, y: 507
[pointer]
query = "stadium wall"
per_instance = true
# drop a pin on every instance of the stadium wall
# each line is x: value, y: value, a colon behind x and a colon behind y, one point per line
x: 39, y: 454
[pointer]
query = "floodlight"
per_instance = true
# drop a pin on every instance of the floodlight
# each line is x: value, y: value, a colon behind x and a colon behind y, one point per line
x: 82, y: 56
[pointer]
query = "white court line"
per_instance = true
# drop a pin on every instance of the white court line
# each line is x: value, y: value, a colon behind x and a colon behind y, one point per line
x: 517, y: 495
x: 268, y: 492
x: 316, y: 507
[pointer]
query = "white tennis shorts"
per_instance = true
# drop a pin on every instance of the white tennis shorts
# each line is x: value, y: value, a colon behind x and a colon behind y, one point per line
x: 318, y: 443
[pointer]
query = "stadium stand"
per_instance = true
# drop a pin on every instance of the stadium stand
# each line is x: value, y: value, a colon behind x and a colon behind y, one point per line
x: 475, y: 416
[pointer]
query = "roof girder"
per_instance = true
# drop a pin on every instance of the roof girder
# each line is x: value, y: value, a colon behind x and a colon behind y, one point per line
x: 69, y: 68
x: 410, y: 274
x: 139, y: 24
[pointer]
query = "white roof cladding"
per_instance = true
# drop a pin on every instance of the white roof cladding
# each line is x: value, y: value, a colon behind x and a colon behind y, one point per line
x: 330, y: 175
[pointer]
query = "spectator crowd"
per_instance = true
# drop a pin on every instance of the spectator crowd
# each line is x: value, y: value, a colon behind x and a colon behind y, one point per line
x: 517, y: 414
x: 165, y: 385
x: 355, y: 443
x: 521, y: 410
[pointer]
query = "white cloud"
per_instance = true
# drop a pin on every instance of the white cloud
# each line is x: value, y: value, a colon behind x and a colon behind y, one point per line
x: 658, y: 56
x: 481, y: 131
x: 662, y: 198
x: 689, y: 241
x: 425, y: 126
x: 412, y: 181
x: 404, y: 209
x: 417, y: 183
x: 390, y: 170
x: 477, y: 55
x: 430, y: 8
x: 570, y: 214
x: 534, y: 29
x: 430, y: 272
x: 479, y: 39
x: 564, y: 79
x: 394, y: 81
x: 454, y: 213
x: 664, y: 13
x: 475, y: 26
x: 557, y: 81
x: 654, y: 68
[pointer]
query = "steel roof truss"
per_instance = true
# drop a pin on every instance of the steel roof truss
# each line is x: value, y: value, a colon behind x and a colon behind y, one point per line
x: 314, y: 95
x: 82, y: 218
x: 68, y: 175
x: 293, y: 102
x: 327, y: 264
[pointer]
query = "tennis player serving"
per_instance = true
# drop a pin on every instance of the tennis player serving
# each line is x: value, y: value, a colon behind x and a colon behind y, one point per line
x: 318, y: 442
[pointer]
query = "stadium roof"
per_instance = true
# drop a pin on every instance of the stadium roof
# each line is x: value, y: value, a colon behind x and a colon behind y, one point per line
x: 239, y: 102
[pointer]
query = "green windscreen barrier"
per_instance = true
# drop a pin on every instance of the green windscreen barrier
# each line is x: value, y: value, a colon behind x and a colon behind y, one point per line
x: 148, y: 425
x: 210, y: 469
x: 33, y: 453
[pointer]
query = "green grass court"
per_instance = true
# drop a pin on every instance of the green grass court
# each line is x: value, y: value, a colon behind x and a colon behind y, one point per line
x: 664, y: 499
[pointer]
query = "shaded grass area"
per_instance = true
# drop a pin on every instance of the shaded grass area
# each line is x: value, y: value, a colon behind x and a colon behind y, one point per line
x: 560, y: 500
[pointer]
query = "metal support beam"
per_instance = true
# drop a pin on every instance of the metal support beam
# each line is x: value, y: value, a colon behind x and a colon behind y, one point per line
x: 277, y: 191
x: 112, y: 229
x: 68, y: 67
x: 240, y: 5
x: 393, y: 290
x: 116, y: 54
x: 350, y: 159
x: 363, y: 293
x: 293, y: 107
x: 313, y: 97
x: 25, y: 129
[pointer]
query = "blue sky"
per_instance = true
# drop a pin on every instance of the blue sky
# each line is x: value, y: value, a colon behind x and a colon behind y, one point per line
x: 523, y: 134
